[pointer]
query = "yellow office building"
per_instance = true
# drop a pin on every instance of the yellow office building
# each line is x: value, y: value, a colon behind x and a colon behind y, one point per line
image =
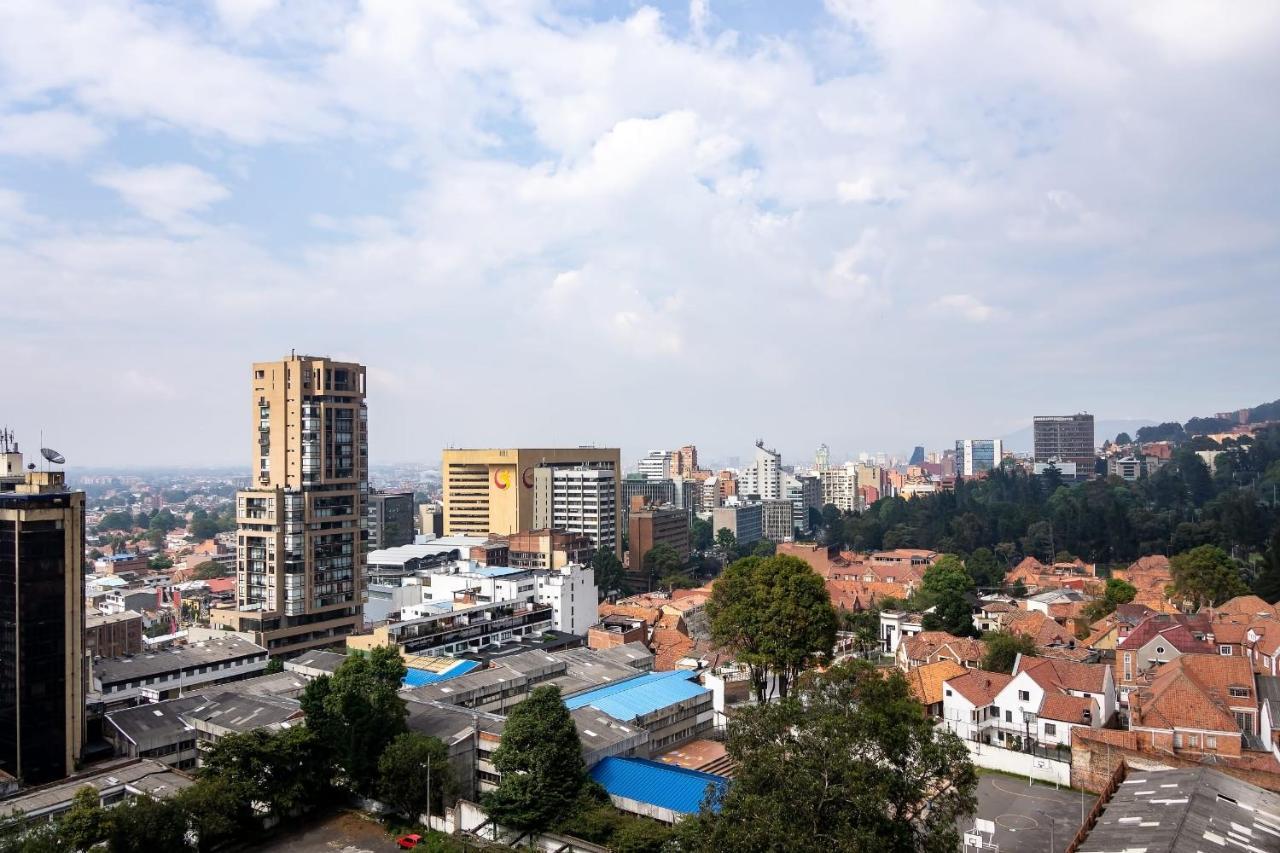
x: 493, y: 490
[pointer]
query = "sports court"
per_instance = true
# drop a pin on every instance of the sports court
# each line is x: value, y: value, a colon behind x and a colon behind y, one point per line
x: 1027, y: 818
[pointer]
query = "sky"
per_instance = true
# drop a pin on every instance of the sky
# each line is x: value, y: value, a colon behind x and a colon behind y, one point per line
x: 869, y: 224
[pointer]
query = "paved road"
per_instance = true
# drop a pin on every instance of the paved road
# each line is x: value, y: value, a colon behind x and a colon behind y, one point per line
x: 1022, y: 814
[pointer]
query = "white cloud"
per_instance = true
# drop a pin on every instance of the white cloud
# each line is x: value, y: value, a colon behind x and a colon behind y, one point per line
x: 238, y: 15
x: 167, y: 193
x: 968, y: 307
x: 52, y: 134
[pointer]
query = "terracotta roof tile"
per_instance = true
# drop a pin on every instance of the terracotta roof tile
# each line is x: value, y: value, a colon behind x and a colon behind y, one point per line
x: 979, y: 686
x: 1059, y: 674
x: 1068, y: 709
x: 926, y: 681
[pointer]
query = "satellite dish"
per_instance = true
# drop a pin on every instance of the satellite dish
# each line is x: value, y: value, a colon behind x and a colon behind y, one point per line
x: 31, y: 466
x: 53, y: 456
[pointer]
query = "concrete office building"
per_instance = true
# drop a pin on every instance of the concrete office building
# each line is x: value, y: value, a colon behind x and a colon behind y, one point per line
x: 578, y: 500
x: 42, y: 664
x: 1065, y: 438
x: 390, y: 519
x: 976, y: 455
x: 431, y: 520
x: 805, y: 493
x: 548, y: 549
x: 653, y: 525
x: 744, y: 521
x: 301, y: 529
x: 492, y: 490
x: 684, y: 461
x: 656, y: 465
x: 653, y: 491
x: 763, y: 477
x: 777, y: 520
x: 840, y: 487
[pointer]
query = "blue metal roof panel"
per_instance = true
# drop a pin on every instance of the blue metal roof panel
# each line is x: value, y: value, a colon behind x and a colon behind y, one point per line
x: 418, y: 677
x: 655, y: 783
x: 634, y: 697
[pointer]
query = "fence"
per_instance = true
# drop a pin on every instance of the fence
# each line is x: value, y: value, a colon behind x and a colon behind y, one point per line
x: 1101, y: 803
x: 994, y: 757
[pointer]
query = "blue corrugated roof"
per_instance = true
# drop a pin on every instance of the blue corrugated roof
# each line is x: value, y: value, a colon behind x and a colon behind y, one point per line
x: 635, y: 697
x: 418, y: 677
x: 655, y: 783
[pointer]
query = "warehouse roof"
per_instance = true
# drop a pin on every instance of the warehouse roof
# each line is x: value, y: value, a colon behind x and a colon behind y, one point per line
x: 661, y: 785
x: 205, y: 653
x: 639, y: 696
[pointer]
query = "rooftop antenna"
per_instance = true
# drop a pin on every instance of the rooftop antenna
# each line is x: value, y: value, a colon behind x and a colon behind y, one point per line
x: 53, y: 456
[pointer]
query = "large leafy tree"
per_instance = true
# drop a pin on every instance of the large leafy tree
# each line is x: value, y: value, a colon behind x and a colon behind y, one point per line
x: 1267, y: 583
x: 608, y: 570
x: 1003, y: 648
x: 946, y: 588
x: 1206, y: 576
x: 414, y: 775
x: 282, y: 772
x: 358, y: 711
x: 849, y: 764
x: 1117, y: 592
x: 540, y: 759
x: 776, y: 615
x: 662, y: 560
x: 702, y: 536
x: 146, y: 825
x: 725, y: 539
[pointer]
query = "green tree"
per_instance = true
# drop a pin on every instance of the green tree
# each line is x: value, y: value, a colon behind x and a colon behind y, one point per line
x: 1018, y: 589
x: 1123, y: 438
x: 851, y: 764
x: 540, y: 759
x: 776, y: 615
x: 84, y: 823
x: 414, y: 775
x: 662, y: 560
x: 1206, y: 576
x: 159, y: 563
x: 764, y: 548
x: 1117, y: 592
x: 209, y: 570
x: 1003, y: 649
x: 609, y: 573
x: 985, y: 569
x: 725, y: 539
x: 358, y: 711
x: 274, y: 665
x: 1267, y: 582
x: 146, y: 825
x: 282, y: 772
x: 216, y: 810
x: 702, y: 535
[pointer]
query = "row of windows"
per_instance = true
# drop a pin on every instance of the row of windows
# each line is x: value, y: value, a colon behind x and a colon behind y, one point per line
x: 178, y: 676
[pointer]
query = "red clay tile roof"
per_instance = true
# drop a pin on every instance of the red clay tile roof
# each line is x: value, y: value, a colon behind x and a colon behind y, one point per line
x: 1058, y: 674
x: 979, y: 686
x: 1068, y: 709
x: 1176, y: 628
x: 926, y: 681
x: 1243, y: 605
x: 1192, y: 691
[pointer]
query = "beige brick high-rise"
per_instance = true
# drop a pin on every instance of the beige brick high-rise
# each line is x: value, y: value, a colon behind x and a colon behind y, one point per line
x: 300, y: 558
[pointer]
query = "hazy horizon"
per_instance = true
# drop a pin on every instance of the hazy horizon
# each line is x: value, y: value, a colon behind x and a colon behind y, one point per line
x: 869, y: 224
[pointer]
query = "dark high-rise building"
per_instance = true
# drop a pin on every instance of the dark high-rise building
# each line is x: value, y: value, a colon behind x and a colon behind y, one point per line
x: 390, y: 519
x: 917, y: 456
x: 1065, y: 438
x: 42, y: 661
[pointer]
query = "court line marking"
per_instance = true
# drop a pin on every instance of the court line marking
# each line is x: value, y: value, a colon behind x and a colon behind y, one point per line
x: 1035, y: 824
x: 996, y: 784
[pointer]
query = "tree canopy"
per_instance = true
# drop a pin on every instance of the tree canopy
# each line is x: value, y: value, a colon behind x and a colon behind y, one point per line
x: 1003, y: 648
x: 776, y: 614
x: 415, y: 776
x: 849, y: 763
x: 608, y: 570
x: 1206, y: 576
x: 540, y: 759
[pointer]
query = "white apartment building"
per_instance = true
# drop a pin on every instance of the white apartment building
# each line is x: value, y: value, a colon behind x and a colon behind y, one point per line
x: 577, y: 500
x: 570, y: 591
x: 840, y: 487
x: 764, y: 476
x: 656, y: 465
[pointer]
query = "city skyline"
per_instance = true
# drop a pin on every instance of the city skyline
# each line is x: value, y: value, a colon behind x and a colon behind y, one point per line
x: 931, y: 226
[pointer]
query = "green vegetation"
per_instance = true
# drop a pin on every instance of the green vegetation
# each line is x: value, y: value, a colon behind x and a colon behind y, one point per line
x: 208, y: 570
x: 701, y: 535
x: 1003, y: 649
x: 946, y: 588
x: 725, y: 539
x: 662, y: 561
x: 540, y: 759
x: 414, y: 775
x: 1013, y: 515
x: 1206, y: 575
x: 847, y: 763
x: 776, y: 615
x: 1117, y: 592
x: 609, y: 574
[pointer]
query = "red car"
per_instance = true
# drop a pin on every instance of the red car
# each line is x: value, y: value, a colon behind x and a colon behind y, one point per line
x: 408, y: 842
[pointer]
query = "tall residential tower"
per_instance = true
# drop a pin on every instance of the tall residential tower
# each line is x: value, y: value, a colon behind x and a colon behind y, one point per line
x: 302, y: 526
x: 42, y: 660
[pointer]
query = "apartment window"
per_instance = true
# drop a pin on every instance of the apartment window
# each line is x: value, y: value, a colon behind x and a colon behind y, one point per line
x: 1193, y: 741
x: 948, y: 692
x: 1210, y: 742
x: 1050, y: 730
x: 1244, y: 720
x: 1024, y: 696
x: 1008, y: 716
x: 1239, y: 692
x: 1128, y: 666
x: 1159, y: 650
x: 1224, y: 650
x: 1177, y: 740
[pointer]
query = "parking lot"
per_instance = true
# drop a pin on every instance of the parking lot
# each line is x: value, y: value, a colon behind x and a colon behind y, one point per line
x: 1029, y: 818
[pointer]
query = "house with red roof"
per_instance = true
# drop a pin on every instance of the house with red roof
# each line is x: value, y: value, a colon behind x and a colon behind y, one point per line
x: 1197, y: 704
x: 1157, y: 640
x: 969, y: 706
x: 932, y: 646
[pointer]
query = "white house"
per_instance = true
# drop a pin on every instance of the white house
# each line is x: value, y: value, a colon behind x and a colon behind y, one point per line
x: 895, y: 625
x: 968, y: 703
x: 1048, y: 697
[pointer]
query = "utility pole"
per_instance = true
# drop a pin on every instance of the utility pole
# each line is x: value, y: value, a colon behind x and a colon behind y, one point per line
x: 428, y: 792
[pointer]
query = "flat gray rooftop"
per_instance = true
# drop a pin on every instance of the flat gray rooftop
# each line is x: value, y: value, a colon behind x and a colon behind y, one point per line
x: 112, y: 670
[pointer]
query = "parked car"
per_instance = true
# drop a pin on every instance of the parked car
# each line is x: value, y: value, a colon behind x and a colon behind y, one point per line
x: 408, y: 842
